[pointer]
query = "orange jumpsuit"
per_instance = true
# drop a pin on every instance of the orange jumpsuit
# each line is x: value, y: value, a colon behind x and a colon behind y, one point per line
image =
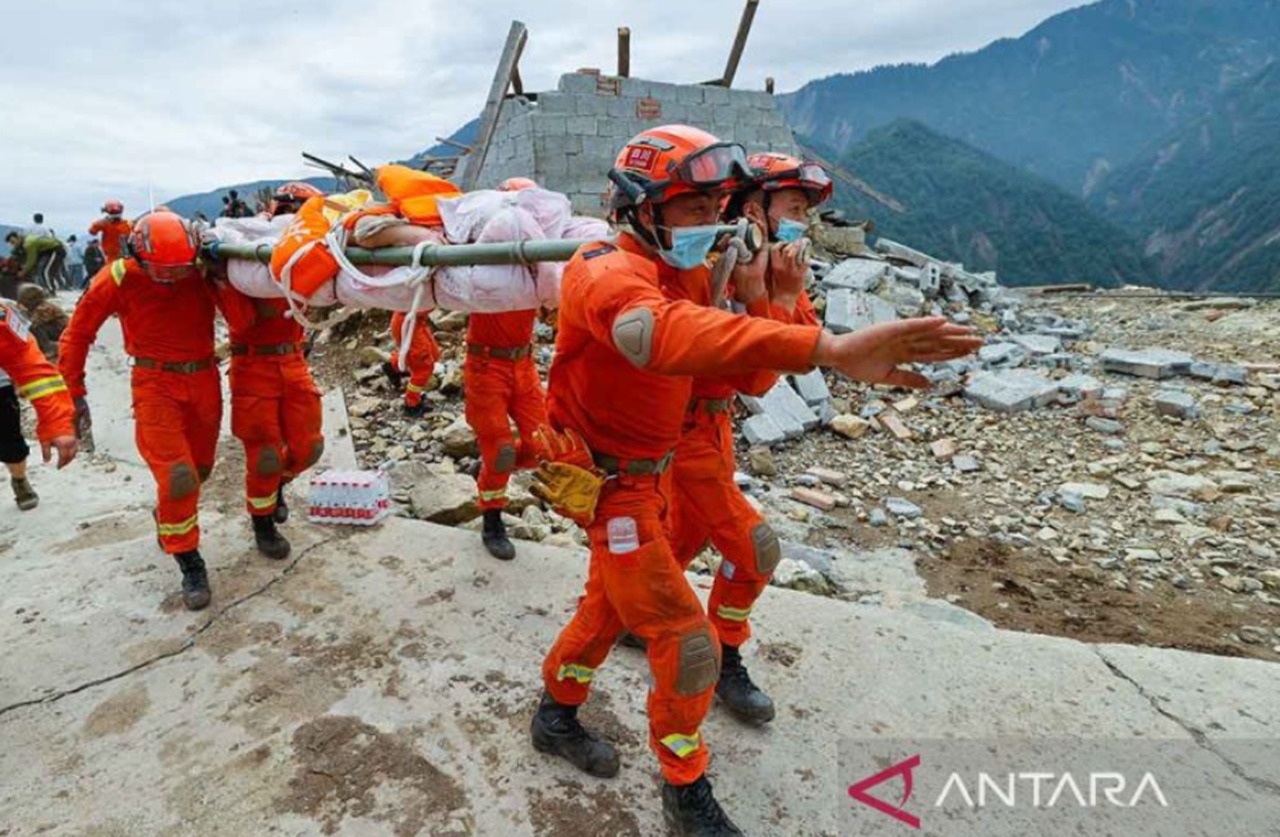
x: 502, y: 385
x: 114, y: 234
x: 629, y: 408
x: 424, y: 352
x: 35, y: 378
x: 275, y: 404
x: 177, y: 396
x: 707, y: 505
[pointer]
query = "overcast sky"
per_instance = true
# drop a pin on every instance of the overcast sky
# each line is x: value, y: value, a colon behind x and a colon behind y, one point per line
x: 109, y: 99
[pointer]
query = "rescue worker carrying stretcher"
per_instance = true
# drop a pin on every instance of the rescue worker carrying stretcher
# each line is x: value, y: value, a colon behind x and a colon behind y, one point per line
x: 113, y: 228
x: 275, y: 404
x: 166, y: 311
x: 420, y: 362
x: 636, y: 327
x: 502, y: 386
x: 707, y: 506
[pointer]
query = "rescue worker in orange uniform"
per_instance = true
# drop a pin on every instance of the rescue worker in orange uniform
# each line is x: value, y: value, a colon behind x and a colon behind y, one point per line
x: 420, y: 362
x: 707, y: 505
x: 636, y: 327
x: 113, y: 229
x: 37, y: 380
x: 275, y: 404
x: 502, y: 386
x: 166, y: 310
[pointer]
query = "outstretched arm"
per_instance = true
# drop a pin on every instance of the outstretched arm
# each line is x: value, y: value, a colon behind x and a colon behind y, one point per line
x: 98, y: 303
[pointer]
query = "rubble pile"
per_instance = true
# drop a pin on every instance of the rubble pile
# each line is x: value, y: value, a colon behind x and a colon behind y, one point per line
x: 1133, y: 441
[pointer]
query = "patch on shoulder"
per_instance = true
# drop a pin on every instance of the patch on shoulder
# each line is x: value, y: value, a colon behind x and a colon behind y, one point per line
x: 602, y: 250
x: 15, y: 320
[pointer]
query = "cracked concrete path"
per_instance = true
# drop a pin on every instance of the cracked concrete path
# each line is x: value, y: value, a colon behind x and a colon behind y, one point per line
x: 381, y: 683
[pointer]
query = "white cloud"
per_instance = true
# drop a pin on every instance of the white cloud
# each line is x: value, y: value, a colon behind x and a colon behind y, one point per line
x: 108, y: 100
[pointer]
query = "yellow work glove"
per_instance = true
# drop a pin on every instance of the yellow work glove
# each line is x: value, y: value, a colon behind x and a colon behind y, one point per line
x: 572, y: 491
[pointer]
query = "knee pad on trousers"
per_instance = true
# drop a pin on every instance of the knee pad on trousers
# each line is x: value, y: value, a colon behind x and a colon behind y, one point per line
x: 698, y: 668
x: 269, y: 462
x: 505, y: 461
x: 183, y: 481
x: 317, y: 451
x: 768, y: 548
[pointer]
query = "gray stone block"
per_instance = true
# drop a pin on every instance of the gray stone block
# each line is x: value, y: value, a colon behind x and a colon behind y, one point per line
x: 1003, y: 355
x: 592, y: 105
x: 857, y: 275
x: 584, y: 126
x: 1150, y: 363
x: 1177, y: 404
x: 557, y: 103
x: 550, y: 125
x: 1012, y: 391
x: 716, y: 95
x: 577, y: 84
x: 762, y: 430
x: 786, y: 407
x: 813, y: 388
x: 636, y: 88
x: 901, y: 251
x: 819, y: 559
x: 691, y: 94
x: 849, y: 310
x: 1081, y: 386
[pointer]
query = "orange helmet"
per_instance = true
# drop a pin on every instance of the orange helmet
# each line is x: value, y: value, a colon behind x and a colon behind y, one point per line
x: 113, y: 208
x: 662, y: 163
x: 773, y: 172
x: 163, y: 239
x: 517, y: 184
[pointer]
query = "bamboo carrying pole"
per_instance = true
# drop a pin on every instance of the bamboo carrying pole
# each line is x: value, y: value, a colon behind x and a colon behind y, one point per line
x: 437, y: 255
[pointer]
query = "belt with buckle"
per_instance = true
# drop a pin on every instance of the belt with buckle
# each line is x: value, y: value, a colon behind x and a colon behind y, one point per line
x: 240, y: 349
x: 710, y: 406
x: 182, y: 367
x: 635, y: 467
x: 477, y: 350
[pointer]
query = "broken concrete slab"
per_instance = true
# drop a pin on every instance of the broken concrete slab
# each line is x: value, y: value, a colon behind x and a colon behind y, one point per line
x: 786, y: 407
x: 851, y: 310
x: 900, y: 251
x: 1012, y: 391
x: 1081, y: 386
x: 1037, y: 344
x: 1148, y: 363
x: 1002, y: 355
x: 857, y: 275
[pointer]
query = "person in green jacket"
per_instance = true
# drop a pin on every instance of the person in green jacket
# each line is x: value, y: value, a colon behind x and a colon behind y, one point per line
x: 43, y: 252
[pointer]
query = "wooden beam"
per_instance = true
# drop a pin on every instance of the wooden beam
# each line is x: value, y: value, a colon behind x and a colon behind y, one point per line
x: 517, y: 37
x: 517, y: 83
x: 768, y: 85
x: 463, y: 147
x: 624, y: 52
x: 740, y: 42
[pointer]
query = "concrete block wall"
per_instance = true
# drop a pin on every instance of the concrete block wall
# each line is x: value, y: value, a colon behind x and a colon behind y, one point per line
x: 568, y: 138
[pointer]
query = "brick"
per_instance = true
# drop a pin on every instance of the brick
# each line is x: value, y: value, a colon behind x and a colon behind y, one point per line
x: 835, y: 479
x: 850, y: 427
x: 892, y: 422
x: 820, y: 500
x: 906, y: 405
x: 1038, y: 344
x: 851, y: 310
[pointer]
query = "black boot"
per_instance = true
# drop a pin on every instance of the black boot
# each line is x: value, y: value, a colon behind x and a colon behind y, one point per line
x: 416, y: 410
x: 495, y: 537
x: 195, y: 581
x: 557, y: 730
x: 735, y: 689
x: 692, y: 811
x: 281, y: 514
x: 270, y: 542
x: 396, y: 378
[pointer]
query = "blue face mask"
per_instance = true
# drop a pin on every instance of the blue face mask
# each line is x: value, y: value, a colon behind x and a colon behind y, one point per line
x: 789, y: 231
x: 690, y: 246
